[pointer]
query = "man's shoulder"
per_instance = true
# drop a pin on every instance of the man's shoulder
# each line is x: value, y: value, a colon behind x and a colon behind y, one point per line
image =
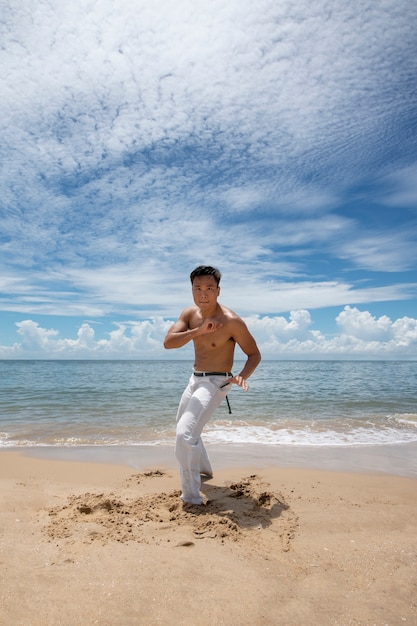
x: 230, y: 315
x: 189, y: 312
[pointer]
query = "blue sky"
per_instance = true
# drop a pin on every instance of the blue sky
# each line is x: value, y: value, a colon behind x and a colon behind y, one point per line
x: 276, y: 140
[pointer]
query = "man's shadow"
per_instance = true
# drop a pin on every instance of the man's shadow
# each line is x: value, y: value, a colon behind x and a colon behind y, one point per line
x: 248, y: 503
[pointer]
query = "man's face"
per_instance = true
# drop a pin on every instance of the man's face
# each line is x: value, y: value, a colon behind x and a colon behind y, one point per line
x: 205, y: 291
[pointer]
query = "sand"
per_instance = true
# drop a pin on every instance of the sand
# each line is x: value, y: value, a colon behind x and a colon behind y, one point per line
x: 93, y: 543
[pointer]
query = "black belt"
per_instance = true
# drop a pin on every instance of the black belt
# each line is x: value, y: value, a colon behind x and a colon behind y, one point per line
x: 213, y: 374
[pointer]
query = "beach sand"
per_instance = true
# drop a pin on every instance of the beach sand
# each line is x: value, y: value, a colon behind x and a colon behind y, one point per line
x: 93, y: 543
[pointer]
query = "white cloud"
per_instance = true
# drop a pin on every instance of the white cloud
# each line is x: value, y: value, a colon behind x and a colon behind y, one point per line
x: 361, y: 336
x: 275, y: 297
x: 401, y: 188
x: 363, y: 325
x: 383, y: 252
x: 34, y: 337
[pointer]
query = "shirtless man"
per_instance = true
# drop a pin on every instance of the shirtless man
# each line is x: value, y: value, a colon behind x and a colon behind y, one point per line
x: 215, y: 331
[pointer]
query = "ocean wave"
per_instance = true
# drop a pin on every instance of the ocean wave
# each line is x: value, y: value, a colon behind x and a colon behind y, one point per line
x: 394, y: 430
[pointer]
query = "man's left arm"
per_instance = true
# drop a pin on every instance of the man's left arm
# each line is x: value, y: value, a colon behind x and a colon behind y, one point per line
x: 247, y: 344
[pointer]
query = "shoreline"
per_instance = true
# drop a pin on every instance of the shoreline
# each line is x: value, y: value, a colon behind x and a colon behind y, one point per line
x: 394, y: 459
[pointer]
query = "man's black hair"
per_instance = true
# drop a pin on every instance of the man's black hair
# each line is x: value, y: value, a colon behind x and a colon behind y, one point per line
x: 206, y: 270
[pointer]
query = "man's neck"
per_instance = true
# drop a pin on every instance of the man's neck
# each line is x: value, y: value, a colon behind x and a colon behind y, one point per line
x: 212, y: 312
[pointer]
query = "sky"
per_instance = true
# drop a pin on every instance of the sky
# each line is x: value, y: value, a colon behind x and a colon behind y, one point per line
x: 273, y: 139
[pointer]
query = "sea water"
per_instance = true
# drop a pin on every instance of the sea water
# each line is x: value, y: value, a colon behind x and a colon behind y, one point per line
x: 129, y: 403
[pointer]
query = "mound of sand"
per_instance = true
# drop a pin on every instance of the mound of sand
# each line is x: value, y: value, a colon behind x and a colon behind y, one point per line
x: 239, y: 512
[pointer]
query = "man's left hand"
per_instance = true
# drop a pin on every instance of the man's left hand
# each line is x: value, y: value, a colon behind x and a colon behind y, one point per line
x: 240, y: 382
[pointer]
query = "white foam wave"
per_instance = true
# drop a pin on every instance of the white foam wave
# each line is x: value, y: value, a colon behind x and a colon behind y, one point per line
x: 309, y: 437
x: 379, y: 430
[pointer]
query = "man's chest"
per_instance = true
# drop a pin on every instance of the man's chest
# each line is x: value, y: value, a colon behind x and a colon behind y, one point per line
x: 214, y: 341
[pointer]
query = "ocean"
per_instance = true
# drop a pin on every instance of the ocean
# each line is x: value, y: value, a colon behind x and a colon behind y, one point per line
x: 291, y: 403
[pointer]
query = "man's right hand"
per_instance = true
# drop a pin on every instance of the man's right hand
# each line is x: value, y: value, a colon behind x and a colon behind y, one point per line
x: 209, y: 326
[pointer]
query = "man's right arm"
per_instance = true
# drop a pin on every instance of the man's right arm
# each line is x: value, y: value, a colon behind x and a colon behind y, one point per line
x: 177, y: 336
x: 180, y: 333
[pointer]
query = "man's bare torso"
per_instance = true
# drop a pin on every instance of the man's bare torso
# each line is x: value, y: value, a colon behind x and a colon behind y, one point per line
x: 214, y: 352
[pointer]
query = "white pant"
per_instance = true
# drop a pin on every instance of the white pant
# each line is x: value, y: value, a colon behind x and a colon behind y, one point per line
x: 198, y: 403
